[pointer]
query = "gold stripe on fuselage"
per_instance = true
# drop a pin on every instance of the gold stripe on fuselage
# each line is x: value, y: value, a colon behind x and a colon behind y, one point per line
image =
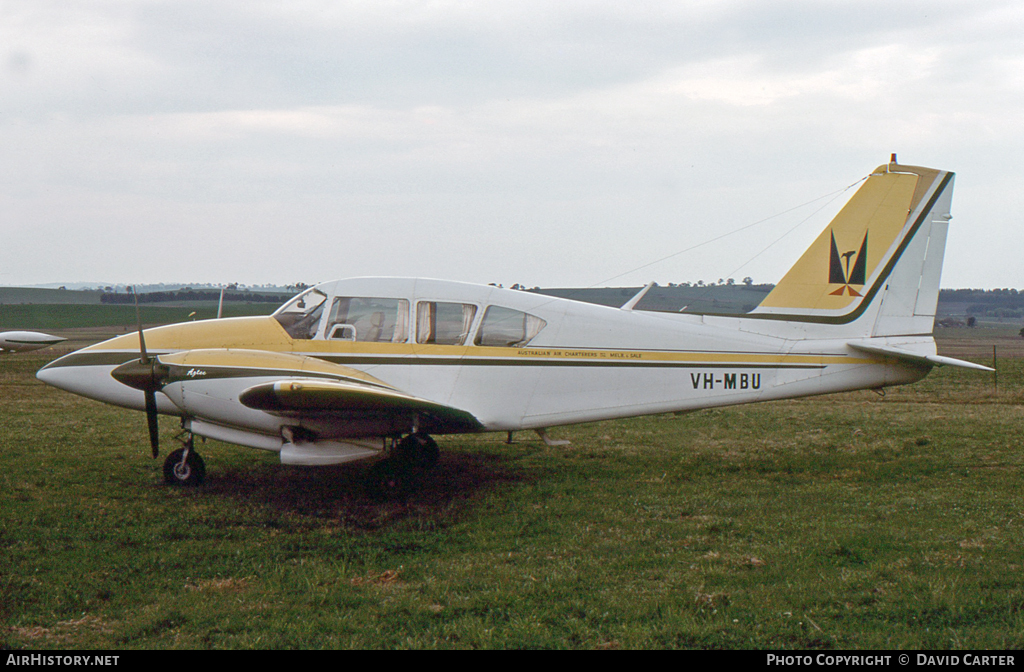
x: 265, y: 334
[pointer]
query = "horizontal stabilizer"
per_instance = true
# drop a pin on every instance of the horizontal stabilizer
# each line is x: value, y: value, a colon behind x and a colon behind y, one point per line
x: 907, y: 355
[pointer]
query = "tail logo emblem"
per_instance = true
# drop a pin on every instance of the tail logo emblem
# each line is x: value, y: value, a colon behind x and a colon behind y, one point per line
x: 839, y: 271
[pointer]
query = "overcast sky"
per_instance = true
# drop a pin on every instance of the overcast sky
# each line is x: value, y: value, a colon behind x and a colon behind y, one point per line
x: 547, y: 143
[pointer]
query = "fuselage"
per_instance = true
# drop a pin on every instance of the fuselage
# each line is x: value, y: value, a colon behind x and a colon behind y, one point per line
x: 512, y: 359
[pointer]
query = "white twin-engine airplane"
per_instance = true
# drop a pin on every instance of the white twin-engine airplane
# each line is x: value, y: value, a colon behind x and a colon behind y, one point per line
x: 371, y: 367
x: 24, y: 341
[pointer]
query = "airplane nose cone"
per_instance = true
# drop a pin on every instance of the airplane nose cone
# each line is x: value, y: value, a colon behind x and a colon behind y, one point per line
x: 52, y: 375
x: 94, y: 381
x: 69, y: 378
x: 81, y: 380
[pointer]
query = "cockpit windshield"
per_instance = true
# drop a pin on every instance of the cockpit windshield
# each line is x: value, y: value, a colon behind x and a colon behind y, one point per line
x: 300, y: 317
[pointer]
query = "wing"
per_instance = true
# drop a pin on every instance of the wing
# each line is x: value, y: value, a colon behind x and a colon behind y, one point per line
x: 352, y: 398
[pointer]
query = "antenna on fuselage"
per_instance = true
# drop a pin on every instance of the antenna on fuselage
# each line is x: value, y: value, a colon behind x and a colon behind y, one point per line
x: 631, y: 304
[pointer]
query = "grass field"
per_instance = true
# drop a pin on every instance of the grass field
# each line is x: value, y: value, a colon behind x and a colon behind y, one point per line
x: 847, y: 521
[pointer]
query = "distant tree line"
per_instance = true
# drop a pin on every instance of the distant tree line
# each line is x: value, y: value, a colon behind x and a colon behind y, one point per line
x: 1007, y: 303
x: 190, y: 295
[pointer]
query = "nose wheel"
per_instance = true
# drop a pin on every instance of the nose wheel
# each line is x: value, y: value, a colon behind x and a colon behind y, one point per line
x: 184, y: 466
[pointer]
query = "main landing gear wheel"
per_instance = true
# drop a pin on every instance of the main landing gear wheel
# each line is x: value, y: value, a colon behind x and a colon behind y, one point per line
x: 419, y: 451
x: 393, y: 477
x: 182, y: 469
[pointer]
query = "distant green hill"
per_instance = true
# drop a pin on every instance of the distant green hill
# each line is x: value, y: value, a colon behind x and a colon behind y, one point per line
x: 32, y: 295
x: 955, y: 305
x: 1001, y: 304
x: 71, y: 316
x: 730, y: 299
x: 37, y: 295
x: 36, y: 308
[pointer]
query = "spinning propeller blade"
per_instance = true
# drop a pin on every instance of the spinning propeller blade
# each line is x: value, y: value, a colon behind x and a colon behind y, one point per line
x: 152, y: 384
x: 151, y: 420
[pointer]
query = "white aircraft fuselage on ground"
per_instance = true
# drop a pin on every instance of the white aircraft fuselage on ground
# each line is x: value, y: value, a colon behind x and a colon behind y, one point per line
x: 349, y: 367
x: 24, y: 341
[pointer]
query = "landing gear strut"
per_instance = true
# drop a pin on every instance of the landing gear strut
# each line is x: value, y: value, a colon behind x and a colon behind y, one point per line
x: 394, y: 476
x: 184, y: 466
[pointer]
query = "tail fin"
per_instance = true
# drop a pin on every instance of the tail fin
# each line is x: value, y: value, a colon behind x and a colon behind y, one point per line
x: 876, y: 267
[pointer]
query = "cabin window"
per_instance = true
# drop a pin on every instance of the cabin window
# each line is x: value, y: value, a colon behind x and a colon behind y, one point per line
x: 507, y: 328
x: 443, y: 323
x: 368, y: 319
x: 300, y: 317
